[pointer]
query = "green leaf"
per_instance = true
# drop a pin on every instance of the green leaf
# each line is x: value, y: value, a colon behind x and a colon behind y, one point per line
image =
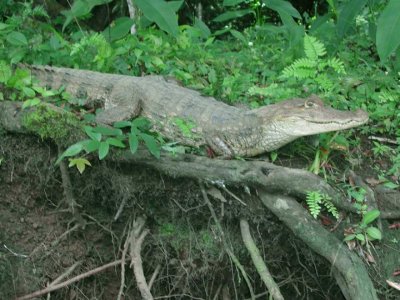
x: 115, y: 142
x: 151, y: 144
x: 28, y: 92
x: 175, y: 5
x: 107, y: 130
x: 347, y: 15
x: 93, y: 135
x: 161, y: 13
x: 387, y: 34
x: 374, y: 233
x: 71, y: 151
x: 133, y: 142
x: 119, y: 29
x: 5, y: 72
x: 229, y: 15
x: 349, y: 237
x: 141, y: 122
x: 391, y: 185
x: 31, y: 102
x: 232, y: 2
x: 122, y: 124
x: 200, y: 25
x: 370, y: 216
x: 282, y: 7
x: 80, y: 164
x: 103, y: 150
x: 360, y: 237
x: 296, y: 32
x: 239, y: 36
x: 79, y: 9
x: 17, y: 39
x: 4, y: 26
x: 91, y: 146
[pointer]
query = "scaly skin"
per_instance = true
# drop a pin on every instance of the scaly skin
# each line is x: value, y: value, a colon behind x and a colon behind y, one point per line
x: 228, y: 130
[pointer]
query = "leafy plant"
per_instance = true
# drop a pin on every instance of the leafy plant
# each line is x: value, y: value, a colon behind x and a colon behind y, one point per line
x: 315, y: 201
x: 358, y: 194
x: 314, y: 68
x: 102, y: 138
x: 363, y: 232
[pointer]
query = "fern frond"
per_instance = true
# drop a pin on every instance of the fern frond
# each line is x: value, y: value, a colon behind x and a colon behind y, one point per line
x: 324, y: 82
x: 313, y: 200
x: 313, y: 48
x: 327, y: 202
x: 300, y: 68
x: 337, y: 65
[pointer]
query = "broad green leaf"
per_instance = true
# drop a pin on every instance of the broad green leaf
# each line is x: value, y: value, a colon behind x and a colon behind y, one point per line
x: 17, y: 54
x: 28, y: 91
x: 374, y: 233
x: 370, y: 216
x: 347, y: 15
x: 349, y: 237
x: 31, y: 102
x: 91, y: 146
x: 107, y: 130
x: 17, y: 39
x: 387, y: 34
x: 360, y: 237
x: 151, y: 144
x: 115, y: 142
x: 141, y: 122
x: 71, y: 151
x: 5, y: 72
x: 175, y: 5
x: 296, y: 32
x: 200, y: 25
x: 122, y: 124
x: 80, y: 164
x: 282, y: 7
x: 133, y: 142
x: 239, y: 36
x: 232, y: 2
x: 48, y: 93
x: 93, y: 135
x: 161, y: 13
x: 391, y: 185
x: 229, y: 15
x: 80, y: 8
x: 3, y: 26
x: 39, y: 89
x: 103, y: 150
x: 119, y: 29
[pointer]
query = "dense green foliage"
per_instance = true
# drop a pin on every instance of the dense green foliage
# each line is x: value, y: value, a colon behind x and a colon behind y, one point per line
x: 259, y: 65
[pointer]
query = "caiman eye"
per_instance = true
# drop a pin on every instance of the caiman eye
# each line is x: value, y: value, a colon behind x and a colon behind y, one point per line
x: 309, y: 104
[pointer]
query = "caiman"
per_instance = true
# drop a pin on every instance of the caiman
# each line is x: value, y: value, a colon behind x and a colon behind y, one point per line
x: 228, y: 130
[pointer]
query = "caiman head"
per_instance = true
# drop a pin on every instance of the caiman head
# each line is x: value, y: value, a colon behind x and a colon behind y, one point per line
x: 295, y: 118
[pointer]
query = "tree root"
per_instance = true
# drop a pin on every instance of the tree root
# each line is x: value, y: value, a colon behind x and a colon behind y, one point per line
x: 353, y: 280
x: 228, y: 249
x: 259, y: 262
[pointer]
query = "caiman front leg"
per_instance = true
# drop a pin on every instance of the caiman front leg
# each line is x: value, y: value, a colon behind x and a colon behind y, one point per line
x: 220, y: 147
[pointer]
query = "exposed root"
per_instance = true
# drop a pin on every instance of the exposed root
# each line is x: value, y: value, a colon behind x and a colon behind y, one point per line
x: 226, y: 246
x: 354, y: 280
x: 55, y: 287
x: 259, y: 262
x: 135, y: 240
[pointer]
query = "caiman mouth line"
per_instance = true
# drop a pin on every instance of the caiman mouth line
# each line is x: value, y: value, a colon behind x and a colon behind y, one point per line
x: 336, y: 122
